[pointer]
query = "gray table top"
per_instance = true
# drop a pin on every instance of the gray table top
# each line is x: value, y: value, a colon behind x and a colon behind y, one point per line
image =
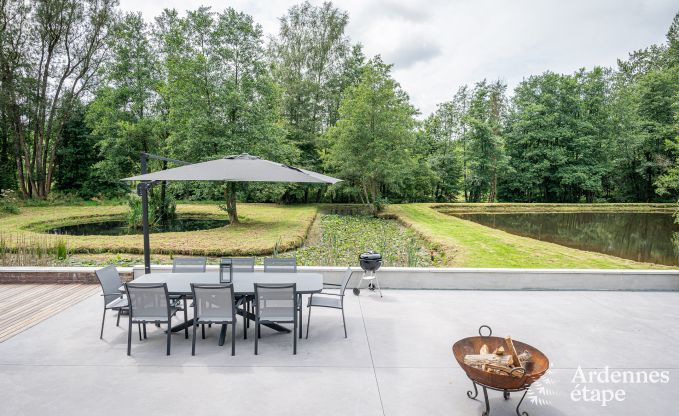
x: 243, y: 283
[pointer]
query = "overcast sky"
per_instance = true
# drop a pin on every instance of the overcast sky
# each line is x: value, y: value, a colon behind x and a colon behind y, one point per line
x: 438, y: 45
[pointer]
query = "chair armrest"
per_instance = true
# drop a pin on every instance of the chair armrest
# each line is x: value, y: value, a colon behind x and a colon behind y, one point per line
x: 332, y: 284
x: 330, y: 294
x: 115, y: 293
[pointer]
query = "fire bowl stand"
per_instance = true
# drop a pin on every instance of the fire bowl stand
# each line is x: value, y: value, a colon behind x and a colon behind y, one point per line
x: 505, y: 394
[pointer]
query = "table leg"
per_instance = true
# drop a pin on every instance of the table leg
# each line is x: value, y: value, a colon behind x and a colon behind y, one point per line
x: 251, y: 316
x: 222, y: 335
x: 183, y: 325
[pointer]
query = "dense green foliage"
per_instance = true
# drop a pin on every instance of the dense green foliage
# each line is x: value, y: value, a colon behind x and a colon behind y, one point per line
x: 207, y: 84
x: 343, y: 237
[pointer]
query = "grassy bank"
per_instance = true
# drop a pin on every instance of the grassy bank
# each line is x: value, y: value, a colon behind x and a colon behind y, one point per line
x: 537, y: 208
x: 467, y: 244
x: 263, y: 227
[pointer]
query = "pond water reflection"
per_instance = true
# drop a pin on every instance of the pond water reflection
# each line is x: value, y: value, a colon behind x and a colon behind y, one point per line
x: 640, y: 236
x: 117, y: 227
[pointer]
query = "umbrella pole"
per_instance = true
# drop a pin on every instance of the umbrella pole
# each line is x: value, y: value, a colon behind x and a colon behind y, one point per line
x: 145, y: 217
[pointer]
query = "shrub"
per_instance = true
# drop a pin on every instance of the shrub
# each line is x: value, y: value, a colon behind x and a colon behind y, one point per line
x: 8, y: 202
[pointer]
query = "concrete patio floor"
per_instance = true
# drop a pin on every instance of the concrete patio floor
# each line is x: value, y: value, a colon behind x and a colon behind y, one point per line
x: 396, y: 361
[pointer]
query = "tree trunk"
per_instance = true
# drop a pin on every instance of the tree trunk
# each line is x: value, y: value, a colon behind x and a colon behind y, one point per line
x: 230, y: 197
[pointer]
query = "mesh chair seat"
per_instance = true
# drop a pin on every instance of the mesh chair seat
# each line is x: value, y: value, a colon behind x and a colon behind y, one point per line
x: 149, y: 302
x: 276, y: 303
x: 154, y: 317
x: 214, y: 304
x: 326, y: 301
x: 119, y: 303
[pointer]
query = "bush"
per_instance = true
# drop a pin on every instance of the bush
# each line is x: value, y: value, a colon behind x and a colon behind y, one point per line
x: 8, y: 202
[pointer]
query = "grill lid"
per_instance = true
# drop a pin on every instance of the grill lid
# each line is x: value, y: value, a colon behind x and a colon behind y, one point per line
x: 370, y: 255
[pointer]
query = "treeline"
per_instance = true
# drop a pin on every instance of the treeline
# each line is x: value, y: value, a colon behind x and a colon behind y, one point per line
x: 86, y: 88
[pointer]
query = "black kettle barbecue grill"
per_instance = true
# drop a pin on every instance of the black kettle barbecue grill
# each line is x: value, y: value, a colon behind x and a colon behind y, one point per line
x: 370, y: 263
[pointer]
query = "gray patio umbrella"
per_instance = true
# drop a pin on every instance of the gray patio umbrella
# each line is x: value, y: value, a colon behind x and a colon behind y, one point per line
x: 238, y: 168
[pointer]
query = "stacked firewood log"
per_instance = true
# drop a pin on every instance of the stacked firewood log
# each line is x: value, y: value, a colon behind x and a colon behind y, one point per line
x: 502, y: 361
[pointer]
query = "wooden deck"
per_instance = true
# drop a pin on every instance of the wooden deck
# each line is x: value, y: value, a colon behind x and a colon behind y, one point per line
x: 25, y: 305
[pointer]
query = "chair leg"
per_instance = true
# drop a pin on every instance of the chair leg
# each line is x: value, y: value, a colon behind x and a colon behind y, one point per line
x: 233, y: 338
x: 103, y: 318
x: 118, y: 319
x: 129, y: 335
x: 294, y: 338
x: 144, y: 329
x: 139, y: 330
x: 308, y: 320
x: 256, y: 335
x: 186, y: 319
x: 301, y: 319
x: 169, y: 334
x: 202, y: 330
x: 344, y: 323
x: 248, y: 308
x: 246, y: 324
x: 193, y: 339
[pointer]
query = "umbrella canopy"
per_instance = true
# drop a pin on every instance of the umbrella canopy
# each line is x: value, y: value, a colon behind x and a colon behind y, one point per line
x: 240, y: 168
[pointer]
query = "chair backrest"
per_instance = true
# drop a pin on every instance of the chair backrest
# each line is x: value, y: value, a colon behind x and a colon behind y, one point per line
x: 148, y: 301
x: 189, y: 264
x: 110, y: 282
x: 345, y: 281
x: 242, y: 264
x: 213, y: 302
x: 280, y: 264
x: 225, y: 270
x: 276, y: 302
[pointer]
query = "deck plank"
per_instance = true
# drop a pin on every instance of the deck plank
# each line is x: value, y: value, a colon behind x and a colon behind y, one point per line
x: 25, y: 305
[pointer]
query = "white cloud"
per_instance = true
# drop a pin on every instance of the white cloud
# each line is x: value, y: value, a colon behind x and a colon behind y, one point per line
x: 438, y: 45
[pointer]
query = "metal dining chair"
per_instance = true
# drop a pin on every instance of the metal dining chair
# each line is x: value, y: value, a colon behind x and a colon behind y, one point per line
x: 244, y: 265
x: 149, y: 303
x: 213, y: 304
x: 110, y: 282
x: 189, y: 264
x: 330, y: 300
x: 186, y: 265
x: 275, y: 304
x: 280, y: 265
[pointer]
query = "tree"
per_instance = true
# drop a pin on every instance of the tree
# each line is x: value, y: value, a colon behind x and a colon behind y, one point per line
x: 76, y: 157
x: 125, y: 116
x: 485, y: 154
x: 314, y: 64
x: 443, y: 133
x: 219, y: 97
x: 372, y: 142
x: 50, y: 51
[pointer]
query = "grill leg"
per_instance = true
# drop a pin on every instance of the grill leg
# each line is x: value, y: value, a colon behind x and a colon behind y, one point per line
x: 377, y: 281
x: 485, y: 397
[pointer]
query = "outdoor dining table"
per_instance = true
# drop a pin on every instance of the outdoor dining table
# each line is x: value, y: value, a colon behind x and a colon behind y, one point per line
x: 243, y: 284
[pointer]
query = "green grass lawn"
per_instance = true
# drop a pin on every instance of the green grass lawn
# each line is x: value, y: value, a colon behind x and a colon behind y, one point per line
x: 262, y: 227
x: 467, y: 244
x: 433, y: 238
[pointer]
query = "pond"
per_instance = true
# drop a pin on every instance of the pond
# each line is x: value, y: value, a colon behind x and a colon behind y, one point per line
x: 639, y: 236
x: 120, y: 227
